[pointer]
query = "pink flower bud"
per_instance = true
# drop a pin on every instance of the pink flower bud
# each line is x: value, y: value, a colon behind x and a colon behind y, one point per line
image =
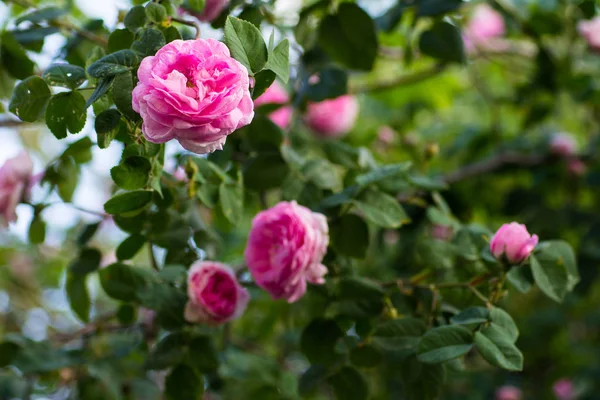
x: 333, y: 117
x: 513, y: 241
x: 442, y: 232
x: 286, y: 246
x: 563, y: 389
x: 485, y: 24
x: 563, y: 144
x: 180, y: 175
x: 508, y: 392
x: 576, y: 167
x: 195, y: 92
x: 590, y: 31
x: 276, y: 94
x: 386, y: 135
x: 15, y: 177
x: 212, y: 9
x: 215, y: 296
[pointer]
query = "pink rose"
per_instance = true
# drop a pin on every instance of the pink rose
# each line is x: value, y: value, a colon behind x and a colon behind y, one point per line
x: 485, y: 24
x: 563, y: 144
x: 195, y: 92
x: 276, y: 94
x: 286, y: 246
x: 212, y: 9
x: 563, y: 389
x: 15, y: 179
x: 180, y: 174
x: 333, y: 117
x: 508, y: 392
x: 386, y: 134
x: 442, y: 232
x: 215, y: 296
x: 590, y: 30
x: 513, y: 241
x: 576, y: 167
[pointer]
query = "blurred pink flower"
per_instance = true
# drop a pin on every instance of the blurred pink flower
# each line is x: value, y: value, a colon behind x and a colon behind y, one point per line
x: 386, y: 134
x: 563, y: 144
x: 508, y: 392
x: 276, y: 94
x: 332, y: 117
x: 485, y: 24
x: 513, y: 241
x: 195, y: 92
x: 286, y: 246
x: 576, y: 167
x: 212, y: 10
x: 15, y: 181
x: 214, y: 294
x: 442, y: 232
x: 563, y: 389
x: 180, y: 174
x: 590, y: 31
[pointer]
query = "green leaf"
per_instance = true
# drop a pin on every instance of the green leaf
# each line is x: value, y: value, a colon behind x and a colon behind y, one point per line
x: 114, y: 64
x: 149, y: 42
x: 122, y: 282
x: 102, y: 86
x: 366, y: 356
x: 323, y: 174
x: 86, y: 262
x: 359, y: 288
x: 311, y: 379
x: 15, y: 59
x: 318, y: 341
x: 88, y: 232
x: 471, y: 315
x: 203, y: 355
x: 381, y: 209
x: 423, y: 381
x: 354, y: 245
x: 332, y: 83
x: 427, y: 8
x: 521, y: 278
x: 349, y: 37
x: 107, y: 127
x: 170, y: 351
x: 66, y: 111
x: 231, y: 201
x: 43, y: 14
x: 120, y: 39
x: 132, y: 173
x: 427, y: 183
x: 263, y: 134
x: 78, y: 295
x: 560, y: 252
x: 246, y: 44
x: 183, y: 384
x: 81, y: 151
x: 444, y: 343
x: 498, y: 349
x: 401, y: 327
x: 551, y: 277
x: 196, y: 6
x: 8, y: 352
x: 156, y: 13
x: 265, y: 171
x: 385, y: 172
x: 64, y: 174
x: 30, y: 98
x: 65, y: 75
x: 122, y: 89
x: 443, y: 41
x: 37, y: 230
x: 349, y: 384
x: 128, y: 203
x: 130, y: 247
x: 171, y: 33
x: 504, y: 321
x: 135, y: 18
x: 279, y: 60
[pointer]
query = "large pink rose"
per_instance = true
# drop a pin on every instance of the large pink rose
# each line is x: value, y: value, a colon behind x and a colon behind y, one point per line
x: 276, y: 94
x: 212, y: 9
x: 15, y: 177
x: 334, y: 117
x: 590, y: 30
x: 563, y: 144
x: 286, y: 246
x: 513, y: 241
x: 195, y: 92
x: 215, y: 296
x: 508, y: 392
x: 485, y: 24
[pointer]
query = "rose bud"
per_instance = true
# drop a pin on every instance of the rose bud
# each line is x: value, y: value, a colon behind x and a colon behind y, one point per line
x: 485, y: 24
x: 514, y: 242
x: 215, y: 296
x: 590, y: 31
x: 508, y: 392
x: 276, y: 94
x: 286, y: 246
x: 15, y: 181
x: 332, y: 117
x: 195, y: 92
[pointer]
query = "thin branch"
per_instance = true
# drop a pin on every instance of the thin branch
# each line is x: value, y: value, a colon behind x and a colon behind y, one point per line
x: 85, y: 210
x: 11, y: 123
x: 404, y: 80
x: 193, y: 24
x: 88, y: 329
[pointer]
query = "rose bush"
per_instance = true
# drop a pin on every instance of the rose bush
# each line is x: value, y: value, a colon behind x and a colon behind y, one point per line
x: 250, y: 200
